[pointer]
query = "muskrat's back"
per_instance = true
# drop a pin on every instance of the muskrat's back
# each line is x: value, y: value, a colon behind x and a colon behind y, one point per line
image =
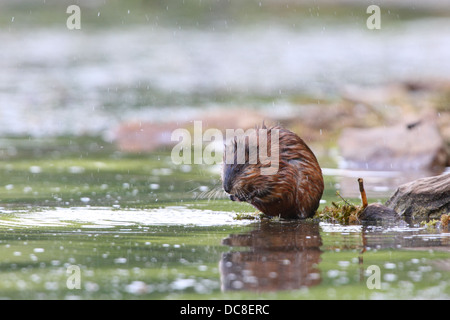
x: 293, y: 191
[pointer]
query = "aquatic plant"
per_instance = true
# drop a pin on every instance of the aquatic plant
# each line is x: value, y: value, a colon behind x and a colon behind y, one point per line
x: 342, y: 212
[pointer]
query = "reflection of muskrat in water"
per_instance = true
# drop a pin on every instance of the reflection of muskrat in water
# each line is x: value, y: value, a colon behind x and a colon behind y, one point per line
x: 294, y: 191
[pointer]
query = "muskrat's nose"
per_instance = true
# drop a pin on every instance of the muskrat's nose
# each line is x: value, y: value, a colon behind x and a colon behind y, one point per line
x: 227, y: 186
x: 232, y: 197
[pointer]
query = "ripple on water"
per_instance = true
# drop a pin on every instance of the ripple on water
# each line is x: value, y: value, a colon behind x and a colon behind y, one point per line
x: 104, y: 217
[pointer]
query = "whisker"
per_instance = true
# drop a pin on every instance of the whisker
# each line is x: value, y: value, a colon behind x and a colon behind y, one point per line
x: 214, y: 193
x: 218, y: 192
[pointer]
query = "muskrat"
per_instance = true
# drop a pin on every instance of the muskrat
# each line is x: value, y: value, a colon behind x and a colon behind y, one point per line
x: 294, y: 191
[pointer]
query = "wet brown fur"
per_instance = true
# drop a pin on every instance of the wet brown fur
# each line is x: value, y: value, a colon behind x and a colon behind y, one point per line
x: 293, y: 192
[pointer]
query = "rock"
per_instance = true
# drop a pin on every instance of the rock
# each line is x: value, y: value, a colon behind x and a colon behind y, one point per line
x: 229, y: 118
x: 138, y: 136
x: 426, y: 198
x: 416, y: 145
x: 143, y: 137
x: 376, y: 212
x: 374, y: 95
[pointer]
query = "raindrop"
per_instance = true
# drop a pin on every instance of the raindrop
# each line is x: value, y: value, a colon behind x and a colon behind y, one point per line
x: 425, y: 268
x: 181, y: 284
x: 314, y: 276
x: 390, y: 277
x: 120, y: 260
x: 137, y: 287
x: 91, y: 286
x: 344, y: 264
x: 332, y: 273
x: 390, y: 265
x: 35, y: 278
x: 185, y: 168
x: 51, y: 285
x: 76, y: 169
x: 27, y: 189
x: 35, y: 169
x: 154, y: 186
x: 237, y: 284
x: 202, y: 268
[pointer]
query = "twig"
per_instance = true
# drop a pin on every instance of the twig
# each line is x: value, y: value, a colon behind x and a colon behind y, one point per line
x: 363, y: 193
x: 339, y: 195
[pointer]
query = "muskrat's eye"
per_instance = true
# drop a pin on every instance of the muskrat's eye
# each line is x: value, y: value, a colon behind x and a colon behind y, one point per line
x: 239, y: 168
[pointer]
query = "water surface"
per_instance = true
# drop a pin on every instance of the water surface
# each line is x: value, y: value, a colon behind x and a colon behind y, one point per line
x: 178, y: 253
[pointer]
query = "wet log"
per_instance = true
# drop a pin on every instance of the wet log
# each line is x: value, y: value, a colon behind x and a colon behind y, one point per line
x: 426, y: 198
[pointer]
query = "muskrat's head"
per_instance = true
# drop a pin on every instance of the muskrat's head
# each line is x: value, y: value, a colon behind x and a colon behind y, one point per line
x: 233, y: 178
x: 247, y: 169
x: 239, y: 181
